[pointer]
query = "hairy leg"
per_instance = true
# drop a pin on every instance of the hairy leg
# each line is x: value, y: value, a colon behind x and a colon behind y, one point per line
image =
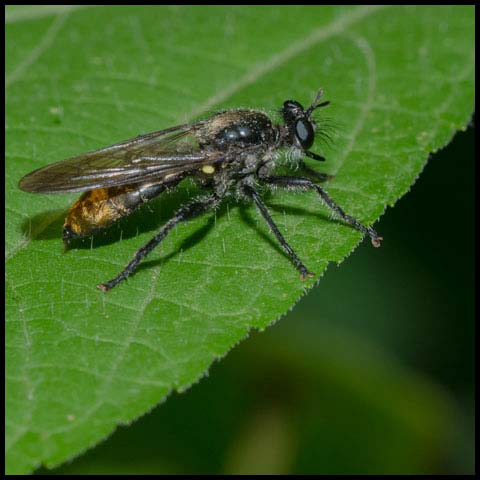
x: 305, y: 183
x: 254, y: 195
x: 187, y: 212
x: 318, y: 176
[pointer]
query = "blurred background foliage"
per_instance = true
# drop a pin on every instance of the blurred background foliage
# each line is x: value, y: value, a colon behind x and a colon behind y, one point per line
x: 372, y: 372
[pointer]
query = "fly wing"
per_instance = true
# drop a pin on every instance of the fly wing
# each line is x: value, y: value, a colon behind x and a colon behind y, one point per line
x: 145, y: 158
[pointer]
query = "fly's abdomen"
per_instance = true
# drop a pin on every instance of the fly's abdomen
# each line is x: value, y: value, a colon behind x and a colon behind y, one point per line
x: 99, y: 208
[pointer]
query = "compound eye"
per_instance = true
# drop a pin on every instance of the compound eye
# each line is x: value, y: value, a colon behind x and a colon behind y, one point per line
x: 304, y: 133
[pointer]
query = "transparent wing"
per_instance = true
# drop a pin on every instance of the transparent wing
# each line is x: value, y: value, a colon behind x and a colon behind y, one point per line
x: 145, y: 158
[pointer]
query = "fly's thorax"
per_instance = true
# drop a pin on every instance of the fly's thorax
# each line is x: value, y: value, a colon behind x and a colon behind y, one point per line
x: 251, y: 161
x: 223, y: 182
x: 238, y: 129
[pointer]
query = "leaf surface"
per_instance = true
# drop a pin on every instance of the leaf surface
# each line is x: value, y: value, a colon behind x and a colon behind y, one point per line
x: 79, y: 363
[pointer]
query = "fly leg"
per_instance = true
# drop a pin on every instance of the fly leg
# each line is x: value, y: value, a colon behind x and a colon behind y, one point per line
x: 253, y: 194
x: 187, y: 212
x: 319, y: 177
x: 306, y: 183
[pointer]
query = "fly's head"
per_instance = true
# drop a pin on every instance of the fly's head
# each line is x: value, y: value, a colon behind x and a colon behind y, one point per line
x: 299, y: 129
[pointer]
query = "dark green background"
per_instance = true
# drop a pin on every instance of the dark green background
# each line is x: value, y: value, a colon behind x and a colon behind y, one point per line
x: 372, y: 372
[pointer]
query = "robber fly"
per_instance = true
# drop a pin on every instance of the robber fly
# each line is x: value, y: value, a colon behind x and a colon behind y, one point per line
x: 229, y: 154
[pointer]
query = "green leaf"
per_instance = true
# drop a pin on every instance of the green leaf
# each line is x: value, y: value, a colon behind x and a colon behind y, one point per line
x: 289, y: 402
x: 78, y: 362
